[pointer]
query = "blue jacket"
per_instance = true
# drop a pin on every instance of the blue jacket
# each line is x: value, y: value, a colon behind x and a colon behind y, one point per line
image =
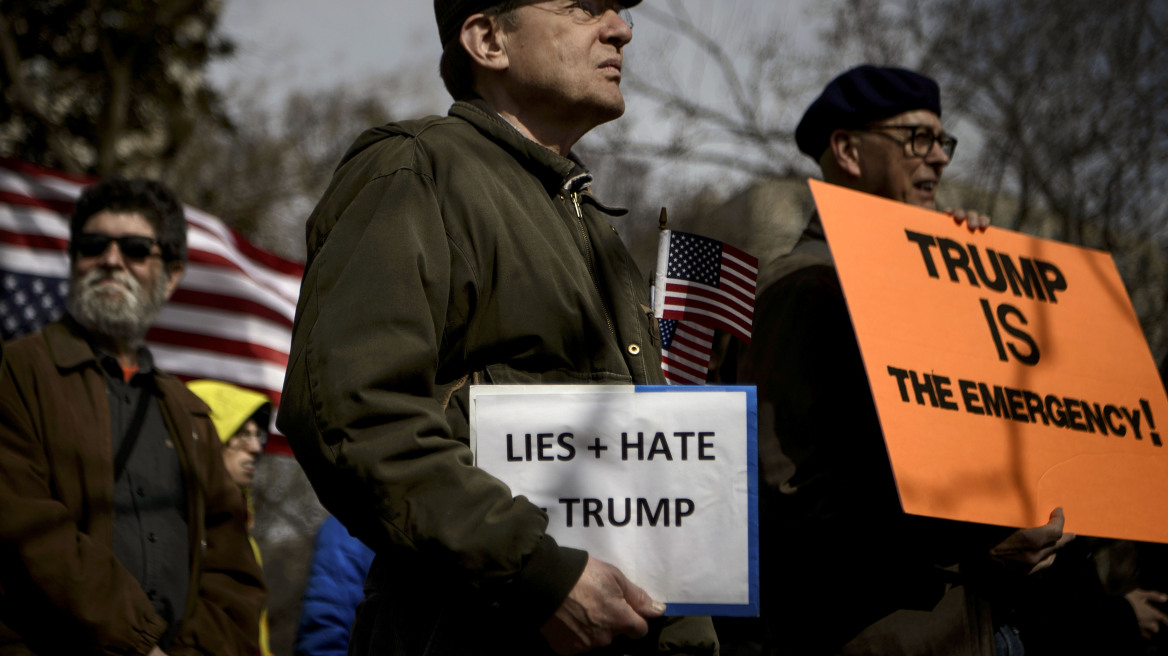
x: 336, y: 585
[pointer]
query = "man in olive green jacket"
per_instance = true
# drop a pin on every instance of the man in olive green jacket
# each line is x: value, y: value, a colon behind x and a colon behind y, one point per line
x: 461, y: 250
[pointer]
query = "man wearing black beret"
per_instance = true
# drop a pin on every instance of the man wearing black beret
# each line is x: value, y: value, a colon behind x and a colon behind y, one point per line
x: 460, y: 250
x: 845, y: 570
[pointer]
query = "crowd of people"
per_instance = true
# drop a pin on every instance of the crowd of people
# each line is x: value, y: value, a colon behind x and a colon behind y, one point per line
x: 470, y: 249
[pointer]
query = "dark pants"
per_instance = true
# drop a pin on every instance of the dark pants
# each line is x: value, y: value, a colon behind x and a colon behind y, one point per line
x: 409, y: 613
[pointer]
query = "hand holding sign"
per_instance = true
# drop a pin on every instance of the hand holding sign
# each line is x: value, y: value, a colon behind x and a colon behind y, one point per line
x: 1033, y: 549
x: 1149, y: 617
x: 601, y: 606
x: 974, y: 220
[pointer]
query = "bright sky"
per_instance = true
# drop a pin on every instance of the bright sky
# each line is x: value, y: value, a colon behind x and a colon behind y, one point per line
x: 289, y: 44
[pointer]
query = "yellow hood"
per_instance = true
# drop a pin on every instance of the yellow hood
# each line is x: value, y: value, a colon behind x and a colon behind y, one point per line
x: 231, y: 406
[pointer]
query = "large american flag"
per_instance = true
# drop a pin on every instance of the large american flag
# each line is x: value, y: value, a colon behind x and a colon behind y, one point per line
x: 230, y: 318
x: 702, y: 285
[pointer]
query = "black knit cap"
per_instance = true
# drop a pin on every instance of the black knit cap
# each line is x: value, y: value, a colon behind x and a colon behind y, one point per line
x: 860, y: 96
x: 451, y: 14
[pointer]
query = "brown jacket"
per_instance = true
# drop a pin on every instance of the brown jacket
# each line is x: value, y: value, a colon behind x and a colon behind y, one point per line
x: 62, y: 589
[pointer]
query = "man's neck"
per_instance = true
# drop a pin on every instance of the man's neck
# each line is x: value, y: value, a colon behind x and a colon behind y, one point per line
x: 545, y: 128
x: 125, y: 352
x: 554, y: 140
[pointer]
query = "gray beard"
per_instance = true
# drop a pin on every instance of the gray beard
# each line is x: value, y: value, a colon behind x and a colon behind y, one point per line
x: 124, y: 317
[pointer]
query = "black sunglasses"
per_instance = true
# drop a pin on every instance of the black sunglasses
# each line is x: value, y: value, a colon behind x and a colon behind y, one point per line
x: 134, y: 247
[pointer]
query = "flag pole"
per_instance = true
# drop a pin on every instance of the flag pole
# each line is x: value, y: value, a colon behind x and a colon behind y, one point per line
x: 661, y: 221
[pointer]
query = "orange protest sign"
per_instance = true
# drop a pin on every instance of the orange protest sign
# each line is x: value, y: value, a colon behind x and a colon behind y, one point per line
x: 1009, y: 372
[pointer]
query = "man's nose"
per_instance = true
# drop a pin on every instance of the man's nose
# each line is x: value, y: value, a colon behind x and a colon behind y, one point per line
x: 617, y: 31
x: 937, y: 156
x: 111, y: 257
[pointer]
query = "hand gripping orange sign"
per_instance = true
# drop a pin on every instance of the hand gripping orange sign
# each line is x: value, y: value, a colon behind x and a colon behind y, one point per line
x: 1010, y: 372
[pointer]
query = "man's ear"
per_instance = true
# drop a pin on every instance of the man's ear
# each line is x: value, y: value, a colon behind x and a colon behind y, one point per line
x: 843, y: 149
x: 482, y: 38
x: 174, y: 270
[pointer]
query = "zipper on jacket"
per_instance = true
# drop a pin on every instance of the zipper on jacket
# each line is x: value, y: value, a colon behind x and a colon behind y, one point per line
x: 590, y: 260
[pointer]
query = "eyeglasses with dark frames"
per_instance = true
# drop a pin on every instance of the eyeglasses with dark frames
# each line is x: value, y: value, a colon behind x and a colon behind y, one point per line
x: 922, y: 138
x: 133, y: 247
x: 241, y: 439
x: 591, y: 11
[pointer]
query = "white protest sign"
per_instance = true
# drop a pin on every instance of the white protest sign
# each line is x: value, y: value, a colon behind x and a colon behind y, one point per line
x: 659, y: 481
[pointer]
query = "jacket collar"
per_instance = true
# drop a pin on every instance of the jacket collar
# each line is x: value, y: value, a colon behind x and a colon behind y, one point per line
x: 556, y: 173
x: 70, y: 347
x: 814, y: 230
x: 68, y: 344
x: 813, y: 242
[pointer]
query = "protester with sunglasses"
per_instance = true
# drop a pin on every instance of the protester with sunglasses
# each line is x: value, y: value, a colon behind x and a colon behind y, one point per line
x: 845, y: 570
x: 121, y: 528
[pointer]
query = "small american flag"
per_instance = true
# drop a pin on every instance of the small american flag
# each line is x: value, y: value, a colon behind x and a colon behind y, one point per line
x: 230, y: 318
x: 705, y: 281
x: 704, y: 285
x: 685, y: 351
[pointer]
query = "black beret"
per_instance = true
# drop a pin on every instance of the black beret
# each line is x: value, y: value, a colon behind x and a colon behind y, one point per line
x: 451, y: 14
x: 860, y: 96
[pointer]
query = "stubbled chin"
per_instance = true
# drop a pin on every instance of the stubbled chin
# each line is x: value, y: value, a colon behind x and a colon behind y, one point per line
x: 922, y: 201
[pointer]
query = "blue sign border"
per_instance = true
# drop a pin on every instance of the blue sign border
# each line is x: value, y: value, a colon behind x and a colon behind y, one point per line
x: 751, y: 608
